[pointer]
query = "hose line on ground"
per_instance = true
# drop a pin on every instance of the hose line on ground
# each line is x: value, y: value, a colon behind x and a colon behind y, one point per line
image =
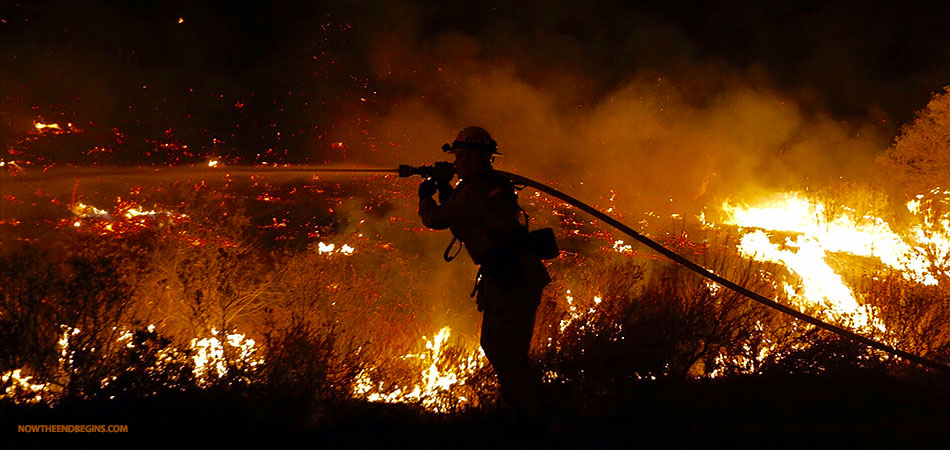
x: 520, y: 180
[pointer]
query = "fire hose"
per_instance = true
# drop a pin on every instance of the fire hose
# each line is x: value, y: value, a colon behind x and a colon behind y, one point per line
x: 429, y: 171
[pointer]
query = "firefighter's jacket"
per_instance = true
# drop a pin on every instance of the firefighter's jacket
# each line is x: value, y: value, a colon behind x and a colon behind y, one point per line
x: 484, y: 215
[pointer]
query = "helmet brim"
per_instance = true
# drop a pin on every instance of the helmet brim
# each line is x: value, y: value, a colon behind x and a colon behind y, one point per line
x: 459, y: 146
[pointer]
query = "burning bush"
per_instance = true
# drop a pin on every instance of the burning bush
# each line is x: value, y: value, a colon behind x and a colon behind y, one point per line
x: 917, y: 316
x: 633, y: 321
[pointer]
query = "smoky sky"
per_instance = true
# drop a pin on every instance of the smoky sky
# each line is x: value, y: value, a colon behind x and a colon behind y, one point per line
x: 768, y: 86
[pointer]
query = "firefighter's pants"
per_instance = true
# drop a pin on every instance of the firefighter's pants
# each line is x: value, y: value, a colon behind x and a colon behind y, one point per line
x: 507, y: 326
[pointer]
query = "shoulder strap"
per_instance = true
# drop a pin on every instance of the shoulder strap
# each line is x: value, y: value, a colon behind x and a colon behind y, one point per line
x: 517, y: 188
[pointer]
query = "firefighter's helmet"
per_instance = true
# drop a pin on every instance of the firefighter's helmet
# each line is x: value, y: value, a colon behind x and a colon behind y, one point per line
x: 472, y: 138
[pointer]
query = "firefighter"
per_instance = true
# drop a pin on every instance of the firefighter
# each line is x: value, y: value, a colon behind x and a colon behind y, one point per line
x: 482, y: 212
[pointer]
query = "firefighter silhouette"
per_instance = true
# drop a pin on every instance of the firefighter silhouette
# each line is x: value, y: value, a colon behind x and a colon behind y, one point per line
x: 482, y: 212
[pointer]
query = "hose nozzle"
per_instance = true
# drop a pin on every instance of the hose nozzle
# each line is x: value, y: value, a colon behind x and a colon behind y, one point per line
x: 442, y: 171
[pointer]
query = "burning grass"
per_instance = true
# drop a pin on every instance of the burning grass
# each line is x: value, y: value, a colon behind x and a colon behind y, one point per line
x: 327, y: 292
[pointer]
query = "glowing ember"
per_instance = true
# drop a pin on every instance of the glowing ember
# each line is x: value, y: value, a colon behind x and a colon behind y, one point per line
x: 577, y: 313
x: 330, y: 249
x: 620, y: 247
x: 66, y: 357
x: 18, y: 384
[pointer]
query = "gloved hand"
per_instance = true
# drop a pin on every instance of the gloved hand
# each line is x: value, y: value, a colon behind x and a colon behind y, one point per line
x: 427, y: 189
x: 445, y: 191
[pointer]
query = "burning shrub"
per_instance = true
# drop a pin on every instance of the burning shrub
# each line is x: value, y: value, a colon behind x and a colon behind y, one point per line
x: 810, y: 350
x: 648, y: 324
x: 442, y: 377
x: 917, y: 315
x: 205, y: 277
x: 330, y: 311
x: 150, y: 364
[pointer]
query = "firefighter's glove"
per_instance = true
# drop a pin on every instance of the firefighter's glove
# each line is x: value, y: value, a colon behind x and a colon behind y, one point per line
x: 427, y: 188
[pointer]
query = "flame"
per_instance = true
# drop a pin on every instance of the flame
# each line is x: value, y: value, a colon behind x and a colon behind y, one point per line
x: 20, y: 384
x: 47, y: 126
x: 83, y: 210
x: 434, y: 385
x: 210, y: 359
x: 41, y: 128
x: 126, y: 217
x: 931, y: 236
x: 819, y: 282
x: 919, y: 255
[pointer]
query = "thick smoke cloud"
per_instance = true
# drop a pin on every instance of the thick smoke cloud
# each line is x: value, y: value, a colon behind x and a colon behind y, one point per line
x: 680, y: 137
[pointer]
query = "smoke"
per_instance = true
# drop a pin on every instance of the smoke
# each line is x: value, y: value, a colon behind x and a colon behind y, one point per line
x: 676, y: 142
